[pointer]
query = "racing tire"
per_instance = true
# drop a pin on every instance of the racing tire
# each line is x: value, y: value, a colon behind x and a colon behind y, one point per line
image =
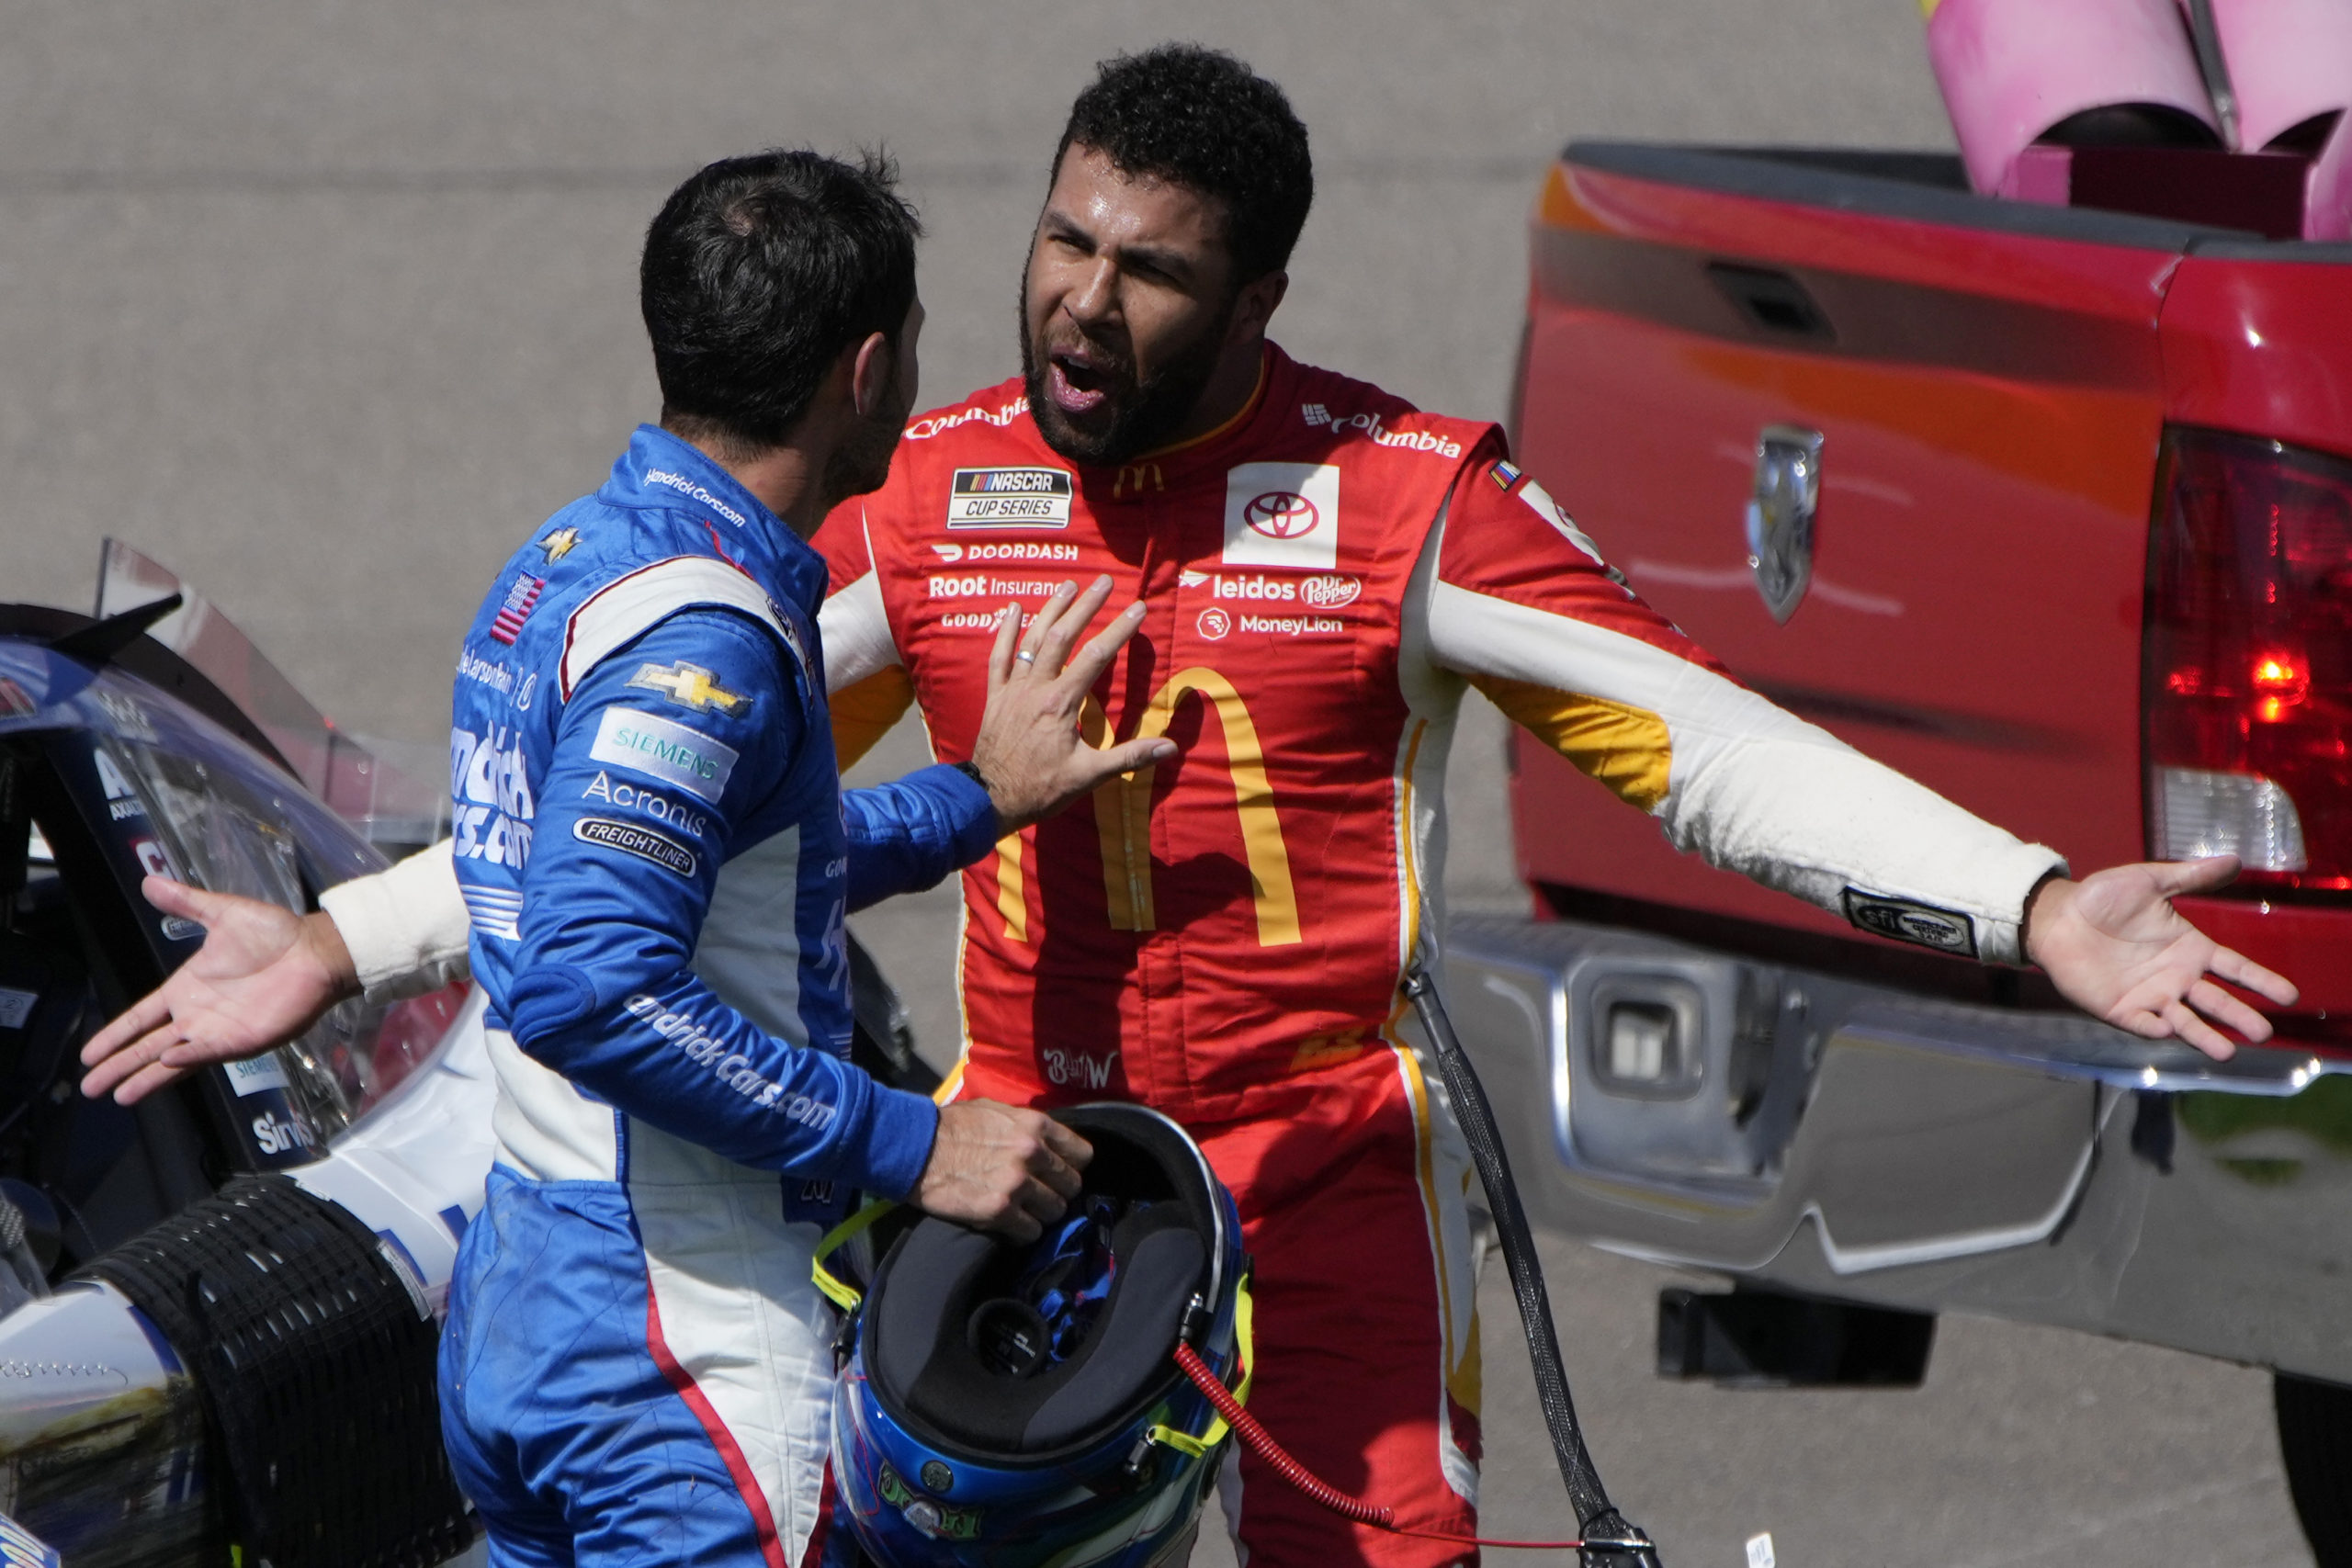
x: 2315, y: 1440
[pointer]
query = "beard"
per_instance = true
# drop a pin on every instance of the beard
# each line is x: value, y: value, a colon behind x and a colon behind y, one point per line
x: 862, y: 462
x: 1145, y: 411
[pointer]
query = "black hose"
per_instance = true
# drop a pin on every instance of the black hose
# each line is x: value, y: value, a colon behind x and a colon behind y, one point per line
x: 1597, y: 1518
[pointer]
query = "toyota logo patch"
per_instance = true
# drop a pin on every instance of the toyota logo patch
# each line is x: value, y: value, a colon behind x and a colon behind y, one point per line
x: 1281, y: 514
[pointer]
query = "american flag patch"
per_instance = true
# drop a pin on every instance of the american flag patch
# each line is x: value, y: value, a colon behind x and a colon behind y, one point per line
x: 508, y: 623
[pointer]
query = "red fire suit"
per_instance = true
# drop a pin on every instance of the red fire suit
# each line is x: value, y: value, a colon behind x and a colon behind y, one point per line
x: 1222, y: 936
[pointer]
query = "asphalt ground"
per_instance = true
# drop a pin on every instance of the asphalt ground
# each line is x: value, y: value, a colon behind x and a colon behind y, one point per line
x: 326, y: 304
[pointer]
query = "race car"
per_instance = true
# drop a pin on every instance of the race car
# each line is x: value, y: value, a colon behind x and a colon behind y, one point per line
x: 219, y: 1307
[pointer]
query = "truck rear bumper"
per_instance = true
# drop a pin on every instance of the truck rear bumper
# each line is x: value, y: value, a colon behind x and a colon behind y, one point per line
x: 1846, y: 1140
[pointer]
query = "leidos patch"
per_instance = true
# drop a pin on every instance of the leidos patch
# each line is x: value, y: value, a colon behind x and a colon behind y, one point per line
x: 1283, y: 515
x: 649, y: 744
x: 1905, y: 919
x: 1010, y: 497
x: 630, y: 839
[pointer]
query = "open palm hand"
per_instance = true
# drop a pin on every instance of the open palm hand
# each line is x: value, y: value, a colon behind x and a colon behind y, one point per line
x: 2116, y: 947
x: 263, y: 976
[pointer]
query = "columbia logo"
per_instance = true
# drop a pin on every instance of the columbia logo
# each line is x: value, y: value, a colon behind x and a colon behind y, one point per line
x: 1315, y: 414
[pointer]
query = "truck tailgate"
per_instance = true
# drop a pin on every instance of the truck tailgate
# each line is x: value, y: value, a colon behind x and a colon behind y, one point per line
x: 1989, y: 386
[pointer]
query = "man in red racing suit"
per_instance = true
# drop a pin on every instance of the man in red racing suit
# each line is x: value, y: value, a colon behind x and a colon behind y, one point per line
x: 1222, y: 937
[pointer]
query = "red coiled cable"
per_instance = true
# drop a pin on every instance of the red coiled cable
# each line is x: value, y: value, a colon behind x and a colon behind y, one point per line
x: 1245, y: 1426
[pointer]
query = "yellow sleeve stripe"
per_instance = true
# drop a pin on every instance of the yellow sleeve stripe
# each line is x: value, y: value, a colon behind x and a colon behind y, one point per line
x: 865, y: 711
x: 1627, y: 749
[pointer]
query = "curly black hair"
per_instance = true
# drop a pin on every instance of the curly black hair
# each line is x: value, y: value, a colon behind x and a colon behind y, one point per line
x: 758, y: 272
x: 1199, y: 117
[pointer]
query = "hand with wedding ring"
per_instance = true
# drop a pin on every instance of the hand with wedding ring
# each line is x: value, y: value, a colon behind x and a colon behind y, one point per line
x: 1029, y: 750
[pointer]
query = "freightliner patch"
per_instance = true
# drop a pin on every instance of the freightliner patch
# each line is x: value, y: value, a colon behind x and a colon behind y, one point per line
x: 630, y: 839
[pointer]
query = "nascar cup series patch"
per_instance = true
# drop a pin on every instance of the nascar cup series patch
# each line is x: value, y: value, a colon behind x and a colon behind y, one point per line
x: 1010, y: 497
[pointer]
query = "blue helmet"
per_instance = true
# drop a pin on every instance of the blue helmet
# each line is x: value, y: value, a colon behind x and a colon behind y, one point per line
x: 1008, y: 1404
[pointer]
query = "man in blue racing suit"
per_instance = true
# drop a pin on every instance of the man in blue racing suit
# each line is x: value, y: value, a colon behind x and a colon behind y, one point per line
x: 652, y: 842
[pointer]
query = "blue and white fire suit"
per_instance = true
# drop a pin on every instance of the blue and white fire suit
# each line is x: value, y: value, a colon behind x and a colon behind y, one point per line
x: 653, y: 844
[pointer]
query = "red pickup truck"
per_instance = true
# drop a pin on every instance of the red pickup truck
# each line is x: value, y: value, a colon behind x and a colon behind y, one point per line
x: 2051, y: 508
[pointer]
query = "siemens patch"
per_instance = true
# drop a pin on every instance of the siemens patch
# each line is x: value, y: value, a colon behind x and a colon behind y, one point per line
x: 630, y: 839
x: 1010, y: 497
x: 649, y: 744
x: 1905, y: 919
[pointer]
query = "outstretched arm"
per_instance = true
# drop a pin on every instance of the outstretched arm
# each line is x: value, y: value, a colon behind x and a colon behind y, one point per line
x: 1515, y: 597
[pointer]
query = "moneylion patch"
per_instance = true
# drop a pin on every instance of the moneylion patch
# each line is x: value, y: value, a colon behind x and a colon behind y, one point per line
x: 632, y: 840
x: 1010, y: 497
x: 1905, y: 919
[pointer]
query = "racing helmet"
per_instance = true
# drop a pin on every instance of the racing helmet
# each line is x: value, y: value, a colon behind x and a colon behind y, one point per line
x: 1014, y: 1404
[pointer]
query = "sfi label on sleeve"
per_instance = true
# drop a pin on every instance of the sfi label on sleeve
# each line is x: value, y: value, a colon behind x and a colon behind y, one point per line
x: 1905, y: 919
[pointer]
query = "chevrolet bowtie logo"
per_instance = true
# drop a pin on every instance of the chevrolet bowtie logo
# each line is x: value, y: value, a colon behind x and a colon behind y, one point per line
x: 690, y: 686
x: 558, y: 544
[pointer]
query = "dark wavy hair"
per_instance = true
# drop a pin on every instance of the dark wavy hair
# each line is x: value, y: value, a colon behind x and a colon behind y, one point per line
x: 758, y: 272
x: 1201, y: 119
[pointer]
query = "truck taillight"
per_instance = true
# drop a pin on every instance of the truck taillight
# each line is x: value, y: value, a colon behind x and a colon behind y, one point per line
x: 2248, y: 660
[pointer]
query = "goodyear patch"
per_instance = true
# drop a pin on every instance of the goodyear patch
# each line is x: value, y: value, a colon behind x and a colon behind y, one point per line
x: 631, y: 839
x: 1907, y: 919
x: 1010, y: 497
